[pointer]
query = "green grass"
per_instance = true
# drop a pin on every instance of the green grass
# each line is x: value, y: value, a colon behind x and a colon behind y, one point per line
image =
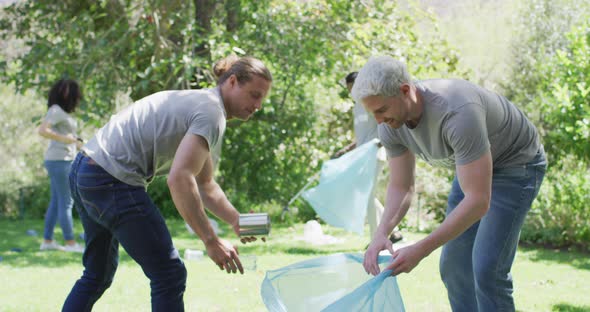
x: 31, y: 280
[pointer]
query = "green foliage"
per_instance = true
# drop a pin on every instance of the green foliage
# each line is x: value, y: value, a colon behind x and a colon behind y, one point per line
x: 429, y: 204
x: 160, y: 195
x: 549, y: 80
x: 559, y: 216
x: 125, y: 47
x: 432, y: 188
x: 564, y: 97
x: 108, y: 46
x: 539, y: 28
x: 23, y: 179
x: 315, y: 44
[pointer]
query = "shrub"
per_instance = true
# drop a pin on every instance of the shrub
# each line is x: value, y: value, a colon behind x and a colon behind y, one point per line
x: 559, y: 216
x: 21, y: 154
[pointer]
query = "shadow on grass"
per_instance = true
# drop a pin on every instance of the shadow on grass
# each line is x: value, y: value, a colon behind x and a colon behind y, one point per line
x: 578, y: 260
x: 564, y: 307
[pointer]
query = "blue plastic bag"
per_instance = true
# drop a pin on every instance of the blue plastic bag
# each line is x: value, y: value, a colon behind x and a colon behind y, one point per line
x: 332, y: 283
x: 378, y: 294
x: 342, y: 195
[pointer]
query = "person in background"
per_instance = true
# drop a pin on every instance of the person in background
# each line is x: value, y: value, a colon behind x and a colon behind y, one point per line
x: 365, y: 130
x: 167, y: 133
x: 60, y: 128
x: 499, y: 163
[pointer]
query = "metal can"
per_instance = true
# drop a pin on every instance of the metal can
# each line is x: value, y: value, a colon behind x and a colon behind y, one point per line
x: 254, y: 224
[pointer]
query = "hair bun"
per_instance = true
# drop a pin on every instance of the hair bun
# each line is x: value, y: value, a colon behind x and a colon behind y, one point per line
x: 224, y: 65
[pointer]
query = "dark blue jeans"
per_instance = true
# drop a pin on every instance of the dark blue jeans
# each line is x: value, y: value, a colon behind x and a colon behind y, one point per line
x: 114, y: 213
x: 475, y: 267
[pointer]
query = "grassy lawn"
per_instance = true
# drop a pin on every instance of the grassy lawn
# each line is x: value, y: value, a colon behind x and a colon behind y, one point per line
x: 31, y: 280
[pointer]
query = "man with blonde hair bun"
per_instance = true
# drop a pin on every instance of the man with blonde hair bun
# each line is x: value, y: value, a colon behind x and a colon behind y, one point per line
x: 167, y: 133
x: 499, y: 163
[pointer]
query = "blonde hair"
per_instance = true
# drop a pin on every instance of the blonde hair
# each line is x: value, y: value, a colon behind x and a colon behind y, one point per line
x: 242, y: 67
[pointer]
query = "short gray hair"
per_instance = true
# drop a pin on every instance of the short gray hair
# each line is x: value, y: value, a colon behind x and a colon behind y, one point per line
x: 381, y: 75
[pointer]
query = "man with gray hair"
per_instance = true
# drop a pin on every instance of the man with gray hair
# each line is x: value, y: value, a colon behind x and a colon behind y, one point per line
x: 499, y: 162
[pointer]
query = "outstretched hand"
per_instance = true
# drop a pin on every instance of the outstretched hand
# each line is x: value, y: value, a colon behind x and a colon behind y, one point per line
x: 225, y: 255
x: 370, y: 262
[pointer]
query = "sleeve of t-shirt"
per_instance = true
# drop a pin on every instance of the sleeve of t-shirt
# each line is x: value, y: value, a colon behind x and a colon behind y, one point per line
x: 55, y: 115
x: 392, y: 145
x: 206, y: 123
x: 467, y: 134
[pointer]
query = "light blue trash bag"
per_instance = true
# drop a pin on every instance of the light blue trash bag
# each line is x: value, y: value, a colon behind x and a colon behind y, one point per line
x: 342, y: 195
x: 378, y: 294
x: 332, y: 283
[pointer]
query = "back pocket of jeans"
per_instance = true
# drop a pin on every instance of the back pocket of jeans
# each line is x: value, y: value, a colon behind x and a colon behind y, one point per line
x: 98, y: 201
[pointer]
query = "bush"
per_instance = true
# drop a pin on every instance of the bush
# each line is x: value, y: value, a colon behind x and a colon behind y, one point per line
x: 21, y: 154
x: 563, y: 97
x: 429, y: 204
x: 308, y: 45
x: 550, y: 81
x: 33, y: 200
x: 160, y: 195
x: 560, y: 214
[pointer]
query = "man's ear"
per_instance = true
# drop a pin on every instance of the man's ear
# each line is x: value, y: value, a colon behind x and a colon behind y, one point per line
x: 232, y: 80
x: 405, y: 88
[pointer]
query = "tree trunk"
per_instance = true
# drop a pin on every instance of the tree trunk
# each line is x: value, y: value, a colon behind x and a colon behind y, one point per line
x: 232, y: 9
x: 204, y: 12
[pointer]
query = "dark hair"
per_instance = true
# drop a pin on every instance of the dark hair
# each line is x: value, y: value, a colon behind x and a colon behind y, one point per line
x: 243, y: 68
x: 66, y: 93
x: 350, y: 78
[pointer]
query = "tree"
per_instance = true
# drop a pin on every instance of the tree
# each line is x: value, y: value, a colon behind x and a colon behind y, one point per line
x: 146, y: 47
x: 564, y: 97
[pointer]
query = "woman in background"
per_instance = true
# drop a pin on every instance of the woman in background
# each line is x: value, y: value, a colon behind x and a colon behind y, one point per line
x: 60, y: 128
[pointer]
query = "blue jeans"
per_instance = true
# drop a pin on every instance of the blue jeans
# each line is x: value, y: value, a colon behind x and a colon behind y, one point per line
x: 113, y: 213
x: 475, y: 266
x: 60, y: 203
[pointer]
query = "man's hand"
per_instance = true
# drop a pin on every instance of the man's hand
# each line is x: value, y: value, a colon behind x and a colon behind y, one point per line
x: 225, y: 255
x: 79, y: 143
x: 406, y: 259
x: 337, y: 154
x: 344, y: 150
x: 379, y: 243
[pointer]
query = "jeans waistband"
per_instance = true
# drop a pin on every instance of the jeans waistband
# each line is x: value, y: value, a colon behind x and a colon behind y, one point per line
x: 90, y: 160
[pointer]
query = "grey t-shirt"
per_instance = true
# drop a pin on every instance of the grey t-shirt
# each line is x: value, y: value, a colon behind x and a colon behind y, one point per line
x: 460, y: 122
x: 365, y: 126
x: 64, y: 124
x: 140, y: 142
